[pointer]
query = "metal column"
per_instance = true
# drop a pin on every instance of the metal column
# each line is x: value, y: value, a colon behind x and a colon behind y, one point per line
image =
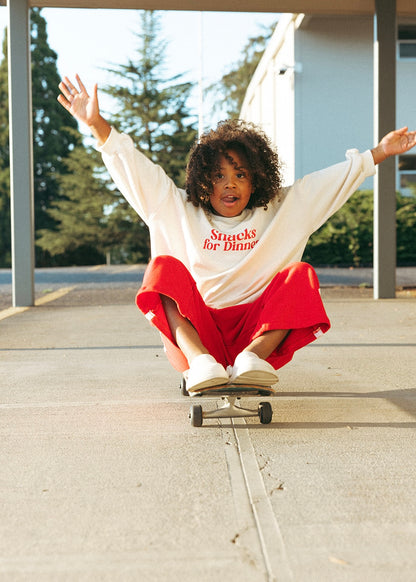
x: 385, y: 121
x: 21, y: 163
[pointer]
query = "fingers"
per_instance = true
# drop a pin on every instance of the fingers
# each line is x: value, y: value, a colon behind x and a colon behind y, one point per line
x: 81, y: 84
x: 65, y: 89
x: 64, y: 102
x: 65, y: 99
x: 411, y: 139
x: 70, y: 87
x: 69, y: 90
x: 406, y: 139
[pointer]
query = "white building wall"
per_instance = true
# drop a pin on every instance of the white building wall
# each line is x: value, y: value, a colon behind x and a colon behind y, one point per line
x: 284, y: 131
x: 406, y: 101
x: 323, y: 104
x: 269, y: 101
x: 406, y: 86
x: 334, y: 92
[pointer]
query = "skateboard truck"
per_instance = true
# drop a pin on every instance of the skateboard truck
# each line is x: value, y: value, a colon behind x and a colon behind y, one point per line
x: 230, y: 393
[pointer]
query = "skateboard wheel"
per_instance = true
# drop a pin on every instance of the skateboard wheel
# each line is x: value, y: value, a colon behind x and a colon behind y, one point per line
x: 265, y: 412
x: 195, y: 414
x: 184, y: 391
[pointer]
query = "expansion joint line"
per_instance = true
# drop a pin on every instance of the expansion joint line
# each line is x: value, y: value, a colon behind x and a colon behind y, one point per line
x: 271, y: 541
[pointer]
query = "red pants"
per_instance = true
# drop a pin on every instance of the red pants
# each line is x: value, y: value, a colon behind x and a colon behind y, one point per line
x: 291, y: 301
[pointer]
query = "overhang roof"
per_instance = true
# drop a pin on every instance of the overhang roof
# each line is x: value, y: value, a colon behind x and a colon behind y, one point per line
x: 404, y: 7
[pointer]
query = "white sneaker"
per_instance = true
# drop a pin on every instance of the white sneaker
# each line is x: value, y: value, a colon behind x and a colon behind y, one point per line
x: 205, y: 372
x: 250, y: 369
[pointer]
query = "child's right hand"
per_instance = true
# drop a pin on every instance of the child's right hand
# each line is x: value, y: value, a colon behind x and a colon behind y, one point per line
x: 84, y: 107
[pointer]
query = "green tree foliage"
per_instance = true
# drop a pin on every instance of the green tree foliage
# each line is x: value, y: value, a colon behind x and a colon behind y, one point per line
x: 406, y: 229
x: 79, y: 233
x: 152, y: 107
x: 229, y: 92
x: 91, y: 218
x: 153, y: 110
x: 346, y: 239
x: 53, y: 138
x: 53, y: 130
x: 5, y: 236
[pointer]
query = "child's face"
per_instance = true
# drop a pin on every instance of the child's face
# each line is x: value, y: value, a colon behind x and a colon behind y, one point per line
x: 232, y: 186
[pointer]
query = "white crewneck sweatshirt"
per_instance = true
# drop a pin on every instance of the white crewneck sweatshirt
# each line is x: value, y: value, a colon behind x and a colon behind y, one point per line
x: 231, y: 259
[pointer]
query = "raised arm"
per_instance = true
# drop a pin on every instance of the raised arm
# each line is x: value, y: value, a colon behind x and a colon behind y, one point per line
x: 396, y: 142
x: 84, y: 107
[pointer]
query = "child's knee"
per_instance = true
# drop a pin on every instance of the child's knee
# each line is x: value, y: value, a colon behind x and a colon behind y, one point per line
x: 305, y: 273
x: 162, y: 262
x: 166, y: 268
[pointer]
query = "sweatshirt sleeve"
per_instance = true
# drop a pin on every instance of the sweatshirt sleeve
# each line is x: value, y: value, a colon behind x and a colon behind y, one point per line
x: 144, y: 184
x: 319, y: 195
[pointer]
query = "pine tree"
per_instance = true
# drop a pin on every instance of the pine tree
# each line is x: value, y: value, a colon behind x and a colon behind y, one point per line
x: 53, y: 135
x: 5, y: 233
x: 74, y: 209
x: 80, y: 234
x: 92, y: 220
x: 53, y: 130
x: 92, y: 215
x: 152, y: 107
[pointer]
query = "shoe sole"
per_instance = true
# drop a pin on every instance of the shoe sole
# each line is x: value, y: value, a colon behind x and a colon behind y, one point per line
x: 258, y: 378
x: 211, y: 383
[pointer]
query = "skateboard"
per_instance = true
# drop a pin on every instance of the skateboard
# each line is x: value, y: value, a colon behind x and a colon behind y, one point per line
x: 229, y: 394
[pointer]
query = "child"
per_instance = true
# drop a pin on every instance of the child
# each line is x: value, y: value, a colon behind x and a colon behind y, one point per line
x: 225, y: 286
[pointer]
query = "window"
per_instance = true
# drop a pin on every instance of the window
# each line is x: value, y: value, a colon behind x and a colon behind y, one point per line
x: 407, y: 174
x: 406, y: 42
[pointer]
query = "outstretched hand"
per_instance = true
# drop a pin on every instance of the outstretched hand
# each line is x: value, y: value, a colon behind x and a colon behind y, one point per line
x: 394, y: 143
x: 78, y: 102
x: 84, y: 107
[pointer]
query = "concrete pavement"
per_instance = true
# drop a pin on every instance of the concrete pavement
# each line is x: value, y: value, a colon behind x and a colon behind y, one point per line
x: 103, y: 478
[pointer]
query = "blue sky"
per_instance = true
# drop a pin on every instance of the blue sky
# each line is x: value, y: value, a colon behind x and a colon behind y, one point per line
x: 88, y: 41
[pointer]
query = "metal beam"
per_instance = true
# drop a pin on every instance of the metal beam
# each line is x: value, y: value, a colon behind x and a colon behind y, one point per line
x: 316, y: 7
x: 385, y: 121
x: 21, y: 174
x: 404, y: 7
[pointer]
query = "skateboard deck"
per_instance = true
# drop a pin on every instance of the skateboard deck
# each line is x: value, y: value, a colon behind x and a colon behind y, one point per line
x: 229, y: 393
x: 235, y: 390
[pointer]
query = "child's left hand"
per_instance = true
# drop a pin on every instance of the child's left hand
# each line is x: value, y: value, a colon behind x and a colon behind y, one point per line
x: 396, y: 142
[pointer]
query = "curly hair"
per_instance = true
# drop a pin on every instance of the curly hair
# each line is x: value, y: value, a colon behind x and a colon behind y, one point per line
x: 247, y: 139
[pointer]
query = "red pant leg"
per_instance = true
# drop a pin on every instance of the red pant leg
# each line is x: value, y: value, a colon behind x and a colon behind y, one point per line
x: 291, y: 301
x: 166, y: 275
